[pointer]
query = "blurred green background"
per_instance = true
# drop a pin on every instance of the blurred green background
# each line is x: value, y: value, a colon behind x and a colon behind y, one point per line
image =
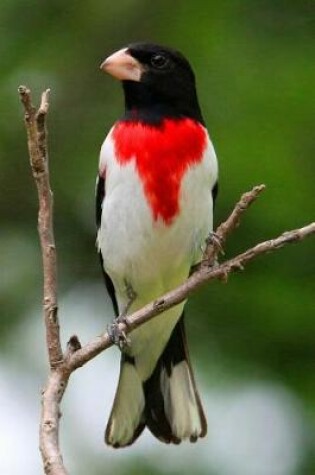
x: 252, y: 340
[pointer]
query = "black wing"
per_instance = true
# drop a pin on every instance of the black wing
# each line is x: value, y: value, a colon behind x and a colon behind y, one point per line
x: 215, y: 191
x: 100, y: 195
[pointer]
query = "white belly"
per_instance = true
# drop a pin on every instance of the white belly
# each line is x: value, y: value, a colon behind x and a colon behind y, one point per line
x: 150, y: 255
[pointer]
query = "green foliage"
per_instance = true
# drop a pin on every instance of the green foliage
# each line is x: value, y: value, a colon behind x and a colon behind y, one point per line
x: 254, y: 62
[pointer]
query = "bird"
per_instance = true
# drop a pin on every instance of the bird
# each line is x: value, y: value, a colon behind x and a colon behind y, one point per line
x: 156, y: 186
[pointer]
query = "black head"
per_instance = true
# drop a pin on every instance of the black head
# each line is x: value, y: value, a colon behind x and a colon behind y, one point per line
x: 158, y: 81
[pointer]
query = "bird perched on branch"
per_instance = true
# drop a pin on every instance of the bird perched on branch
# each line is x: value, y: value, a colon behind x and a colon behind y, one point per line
x: 154, y: 208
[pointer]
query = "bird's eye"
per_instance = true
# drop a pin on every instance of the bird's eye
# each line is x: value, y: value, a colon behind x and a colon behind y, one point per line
x: 159, y: 61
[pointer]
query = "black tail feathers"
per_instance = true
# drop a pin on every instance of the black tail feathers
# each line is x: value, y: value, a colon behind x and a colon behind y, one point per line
x: 168, y: 402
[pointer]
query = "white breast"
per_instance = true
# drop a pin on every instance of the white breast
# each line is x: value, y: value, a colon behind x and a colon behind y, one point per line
x: 151, y: 255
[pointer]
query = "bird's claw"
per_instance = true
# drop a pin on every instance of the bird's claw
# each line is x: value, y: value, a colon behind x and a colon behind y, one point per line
x: 216, y: 241
x: 117, y: 335
x: 131, y: 295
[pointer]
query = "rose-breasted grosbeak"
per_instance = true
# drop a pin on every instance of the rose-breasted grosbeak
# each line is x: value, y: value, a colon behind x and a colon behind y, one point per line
x: 154, y: 205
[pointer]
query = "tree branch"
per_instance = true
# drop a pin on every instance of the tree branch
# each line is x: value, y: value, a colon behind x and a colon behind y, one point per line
x: 35, y: 123
x: 194, y: 282
x: 62, y: 365
x: 215, y: 245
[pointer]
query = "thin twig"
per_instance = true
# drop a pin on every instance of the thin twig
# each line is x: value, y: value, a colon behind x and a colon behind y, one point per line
x: 35, y: 123
x: 217, y: 241
x: 61, y: 366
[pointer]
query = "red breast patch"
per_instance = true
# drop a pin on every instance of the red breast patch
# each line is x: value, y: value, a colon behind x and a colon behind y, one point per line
x: 162, y: 155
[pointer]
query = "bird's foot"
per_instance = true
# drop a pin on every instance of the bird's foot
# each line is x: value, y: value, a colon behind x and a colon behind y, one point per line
x: 131, y: 297
x: 215, y: 240
x: 211, y: 251
x: 117, y: 335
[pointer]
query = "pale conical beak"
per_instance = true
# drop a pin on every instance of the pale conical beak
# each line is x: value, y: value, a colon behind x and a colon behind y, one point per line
x: 123, y: 66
